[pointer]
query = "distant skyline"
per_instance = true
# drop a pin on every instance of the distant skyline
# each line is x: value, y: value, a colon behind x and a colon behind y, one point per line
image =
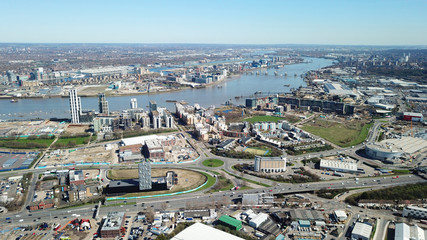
x: 326, y: 22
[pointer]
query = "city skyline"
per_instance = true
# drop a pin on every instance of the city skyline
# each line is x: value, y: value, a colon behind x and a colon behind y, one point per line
x: 237, y: 22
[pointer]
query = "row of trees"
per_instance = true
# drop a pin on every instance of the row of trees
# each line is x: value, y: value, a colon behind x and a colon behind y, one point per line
x: 399, y: 193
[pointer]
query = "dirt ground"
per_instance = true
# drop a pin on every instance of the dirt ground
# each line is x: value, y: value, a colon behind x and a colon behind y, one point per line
x: 85, y: 155
x: 74, y: 234
x: 92, y: 90
x: 76, y: 129
x: 40, y: 127
x: 91, y: 174
x: 187, y: 179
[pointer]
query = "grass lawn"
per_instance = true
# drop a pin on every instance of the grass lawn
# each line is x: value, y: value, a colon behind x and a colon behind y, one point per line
x: 246, y: 179
x: 25, y: 143
x: 223, y: 183
x: 210, y: 181
x: 255, y: 119
x: 213, y: 163
x: 343, y: 135
x: 256, y: 151
x: 77, y: 140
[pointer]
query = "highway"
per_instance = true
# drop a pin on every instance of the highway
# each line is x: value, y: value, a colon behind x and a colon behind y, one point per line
x: 201, y: 199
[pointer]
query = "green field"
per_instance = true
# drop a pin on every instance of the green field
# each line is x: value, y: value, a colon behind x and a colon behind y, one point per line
x: 343, y: 135
x: 213, y: 163
x: 25, y: 143
x: 255, y: 119
x: 69, y: 142
x: 257, y: 151
x: 210, y: 181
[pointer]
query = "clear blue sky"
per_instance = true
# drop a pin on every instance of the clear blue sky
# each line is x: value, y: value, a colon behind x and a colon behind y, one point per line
x: 358, y: 22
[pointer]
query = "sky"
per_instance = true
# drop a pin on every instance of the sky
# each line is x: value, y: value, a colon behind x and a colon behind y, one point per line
x: 343, y: 22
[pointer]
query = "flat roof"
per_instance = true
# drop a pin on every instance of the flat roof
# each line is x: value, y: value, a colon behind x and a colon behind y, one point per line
x: 340, y: 213
x: 362, y: 229
x: 199, y: 231
x: 405, y: 144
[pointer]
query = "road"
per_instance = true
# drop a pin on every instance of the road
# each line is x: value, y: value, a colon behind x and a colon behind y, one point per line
x: 201, y: 199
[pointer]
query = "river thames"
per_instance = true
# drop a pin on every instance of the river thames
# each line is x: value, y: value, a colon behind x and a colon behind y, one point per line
x: 239, y: 85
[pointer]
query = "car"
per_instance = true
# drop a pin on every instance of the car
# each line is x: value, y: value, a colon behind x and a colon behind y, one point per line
x: 270, y: 190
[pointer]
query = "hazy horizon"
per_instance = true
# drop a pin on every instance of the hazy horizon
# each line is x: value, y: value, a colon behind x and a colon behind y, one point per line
x: 305, y: 22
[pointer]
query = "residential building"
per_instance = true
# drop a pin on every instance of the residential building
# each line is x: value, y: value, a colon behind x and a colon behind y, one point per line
x: 75, y: 106
x: 103, y: 104
x: 144, y: 176
x: 133, y: 103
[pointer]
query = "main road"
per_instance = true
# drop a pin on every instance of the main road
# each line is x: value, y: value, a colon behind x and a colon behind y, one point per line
x: 202, y: 199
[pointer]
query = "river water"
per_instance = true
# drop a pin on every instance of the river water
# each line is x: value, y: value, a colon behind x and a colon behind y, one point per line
x: 242, y: 85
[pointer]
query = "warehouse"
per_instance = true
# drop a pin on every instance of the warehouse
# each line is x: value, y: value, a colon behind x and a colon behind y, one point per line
x: 361, y: 231
x: 395, y: 148
x: 310, y: 215
x: 258, y: 220
x: 340, y: 215
x: 201, y: 231
x: 340, y: 165
x: 270, y: 164
x: 230, y: 222
x: 404, y: 231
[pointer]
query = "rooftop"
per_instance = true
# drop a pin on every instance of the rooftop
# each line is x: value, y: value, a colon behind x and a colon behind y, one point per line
x: 114, y: 221
x: 201, y: 231
x: 362, y: 229
x: 405, y: 144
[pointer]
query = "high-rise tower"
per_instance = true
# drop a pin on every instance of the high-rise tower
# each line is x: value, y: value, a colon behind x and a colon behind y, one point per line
x: 75, y: 106
x: 133, y: 103
x: 103, y: 104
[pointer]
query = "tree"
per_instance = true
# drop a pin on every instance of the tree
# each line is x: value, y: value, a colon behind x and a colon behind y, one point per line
x: 149, y: 214
x: 164, y: 206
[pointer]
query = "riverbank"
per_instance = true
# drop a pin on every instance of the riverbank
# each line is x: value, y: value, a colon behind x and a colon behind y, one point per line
x: 214, y: 94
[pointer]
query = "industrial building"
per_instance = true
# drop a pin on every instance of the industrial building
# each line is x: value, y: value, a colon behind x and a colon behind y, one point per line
x: 309, y: 215
x: 339, y: 165
x: 340, y: 215
x: 411, y: 116
x: 113, y: 225
x: 339, y: 90
x: 361, y: 231
x: 405, y: 232
x: 270, y: 164
x: 390, y: 149
x: 230, y: 222
x: 201, y: 231
x: 253, y: 199
x: 258, y: 220
x: 415, y: 212
x: 203, y: 214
